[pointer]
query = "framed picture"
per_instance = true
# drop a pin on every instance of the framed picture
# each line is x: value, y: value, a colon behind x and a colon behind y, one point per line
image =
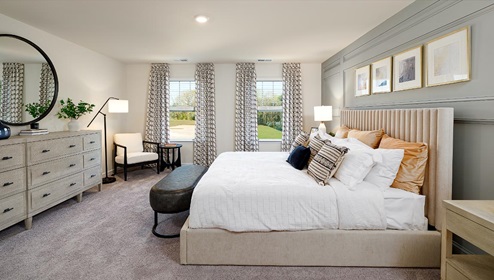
x: 381, y: 75
x: 448, y: 58
x: 362, y: 81
x: 407, y: 69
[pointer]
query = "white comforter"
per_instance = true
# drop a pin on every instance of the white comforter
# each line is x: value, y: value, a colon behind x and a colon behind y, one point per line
x: 245, y: 191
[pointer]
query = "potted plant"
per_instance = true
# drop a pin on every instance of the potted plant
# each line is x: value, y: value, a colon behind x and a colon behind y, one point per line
x: 72, y: 111
x: 35, y: 110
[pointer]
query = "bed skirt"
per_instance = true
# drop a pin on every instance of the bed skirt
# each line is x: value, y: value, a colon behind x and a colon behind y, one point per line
x: 389, y: 248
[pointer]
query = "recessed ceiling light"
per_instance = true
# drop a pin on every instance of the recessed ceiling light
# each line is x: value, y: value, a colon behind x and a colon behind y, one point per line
x: 201, y: 19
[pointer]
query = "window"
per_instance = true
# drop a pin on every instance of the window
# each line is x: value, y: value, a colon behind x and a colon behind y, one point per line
x: 182, y: 113
x: 269, y: 109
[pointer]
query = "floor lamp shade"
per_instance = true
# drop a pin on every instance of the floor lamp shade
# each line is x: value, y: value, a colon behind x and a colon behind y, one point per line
x: 118, y: 106
x: 322, y: 114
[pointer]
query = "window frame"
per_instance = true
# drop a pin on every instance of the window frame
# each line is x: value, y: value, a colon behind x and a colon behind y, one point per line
x: 270, y: 108
x: 181, y: 108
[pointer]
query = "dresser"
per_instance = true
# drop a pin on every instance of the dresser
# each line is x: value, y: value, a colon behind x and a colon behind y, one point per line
x: 472, y: 220
x: 39, y: 172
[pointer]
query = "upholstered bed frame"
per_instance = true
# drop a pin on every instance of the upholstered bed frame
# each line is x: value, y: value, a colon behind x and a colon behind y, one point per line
x: 388, y: 248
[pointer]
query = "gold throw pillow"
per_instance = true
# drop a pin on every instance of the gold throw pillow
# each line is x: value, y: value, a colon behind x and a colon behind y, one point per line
x: 410, y: 176
x: 370, y: 137
x: 342, y: 132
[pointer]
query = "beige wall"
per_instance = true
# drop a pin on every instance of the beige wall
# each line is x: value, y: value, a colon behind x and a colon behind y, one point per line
x: 137, y: 76
x: 82, y: 74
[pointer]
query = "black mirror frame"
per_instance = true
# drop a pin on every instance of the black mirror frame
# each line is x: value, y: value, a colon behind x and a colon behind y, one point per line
x: 55, y: 80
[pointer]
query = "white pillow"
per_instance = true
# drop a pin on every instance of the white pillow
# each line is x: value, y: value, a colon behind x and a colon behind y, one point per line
x: 384, y: 172
x: 355, y: 167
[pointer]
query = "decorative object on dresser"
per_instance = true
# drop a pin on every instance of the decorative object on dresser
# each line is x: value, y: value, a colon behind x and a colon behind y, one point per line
x: 33, y: 131
x: 472, y: 220
x: 115, y: 105
x: 21, y: 54
x: 36, y: 109
x: 323, y: 114
x: 57, y: 166
x: 4, y: 131
x: 69, y: 110
x: 128, y: 150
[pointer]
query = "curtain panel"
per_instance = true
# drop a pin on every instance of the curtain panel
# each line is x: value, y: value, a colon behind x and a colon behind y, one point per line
x: 46, y: 84
x: 246, y: 136
x: 205, y: 132
x: 158, y: 105
x: 12, y: 91
x: 292, y: 104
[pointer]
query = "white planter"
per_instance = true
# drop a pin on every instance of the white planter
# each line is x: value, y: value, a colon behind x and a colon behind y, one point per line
x: 74, y: 125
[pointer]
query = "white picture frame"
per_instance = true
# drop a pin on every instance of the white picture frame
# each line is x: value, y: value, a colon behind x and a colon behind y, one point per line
x: 382, y: 75
x: 448, y: 58
x: 362, y: 81
x: 407, y: 69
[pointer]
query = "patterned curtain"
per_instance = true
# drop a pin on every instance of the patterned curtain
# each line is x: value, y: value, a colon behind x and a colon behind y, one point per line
x: 158, y: 106
x: 205, y: 138
x: 246, y: 138
x: 292, y: 104
x: 46, y: 84
x: 12, y: 91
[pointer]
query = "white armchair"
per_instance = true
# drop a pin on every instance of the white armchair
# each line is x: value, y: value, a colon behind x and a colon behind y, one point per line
x: 128, y: 150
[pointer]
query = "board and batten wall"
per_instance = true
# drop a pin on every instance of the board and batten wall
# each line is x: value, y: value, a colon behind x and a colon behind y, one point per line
x: 225, y: 79
x: 473, y: 101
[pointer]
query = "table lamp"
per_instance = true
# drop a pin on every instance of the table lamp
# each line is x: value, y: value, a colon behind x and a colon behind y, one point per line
x: 322, y: 114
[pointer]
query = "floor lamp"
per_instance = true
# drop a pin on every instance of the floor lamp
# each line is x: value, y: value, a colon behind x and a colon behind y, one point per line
x: 115, y: 105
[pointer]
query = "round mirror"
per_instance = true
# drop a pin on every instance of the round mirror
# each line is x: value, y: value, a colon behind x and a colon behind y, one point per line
x: 28, y: 80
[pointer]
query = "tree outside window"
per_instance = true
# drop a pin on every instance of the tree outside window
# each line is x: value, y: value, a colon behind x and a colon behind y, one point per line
x: 269, y: 109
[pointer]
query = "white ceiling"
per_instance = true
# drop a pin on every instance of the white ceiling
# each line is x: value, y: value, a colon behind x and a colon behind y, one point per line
x: 135, y: 31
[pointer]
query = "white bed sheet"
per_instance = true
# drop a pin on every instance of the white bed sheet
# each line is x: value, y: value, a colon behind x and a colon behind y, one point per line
x: 404, y: 210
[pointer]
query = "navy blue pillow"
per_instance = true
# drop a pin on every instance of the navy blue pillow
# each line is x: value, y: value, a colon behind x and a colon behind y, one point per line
x: 299, y: 157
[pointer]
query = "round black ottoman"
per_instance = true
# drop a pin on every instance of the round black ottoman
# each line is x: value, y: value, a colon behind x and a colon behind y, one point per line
x: 173, y: 193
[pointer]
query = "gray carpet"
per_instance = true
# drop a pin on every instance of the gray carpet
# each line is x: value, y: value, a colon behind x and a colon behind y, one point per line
x: 108, y: 236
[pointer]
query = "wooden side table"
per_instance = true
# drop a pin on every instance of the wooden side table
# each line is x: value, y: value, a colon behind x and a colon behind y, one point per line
x: 167, y: 154
x: 472, y: 220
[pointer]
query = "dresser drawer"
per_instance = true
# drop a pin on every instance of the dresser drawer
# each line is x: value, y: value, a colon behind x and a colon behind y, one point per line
x: 92, y: 142
x: 12, y: 182
x: 452, y: 273
x: 46, y: 172
x: 92, y: 176
x: 12, y: 156
x: 45, y: 195
x: 92, y: 159
x: 12, y: 206
x: 50, y: 149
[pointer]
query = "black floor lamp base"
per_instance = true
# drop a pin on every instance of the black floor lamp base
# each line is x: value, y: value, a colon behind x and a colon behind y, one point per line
x: 109, y: 180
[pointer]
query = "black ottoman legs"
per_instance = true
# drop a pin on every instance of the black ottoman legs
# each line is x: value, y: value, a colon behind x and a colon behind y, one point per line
x: 158, y: 234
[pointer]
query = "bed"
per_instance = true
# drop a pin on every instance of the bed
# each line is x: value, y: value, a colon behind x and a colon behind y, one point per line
x: 324, y: 244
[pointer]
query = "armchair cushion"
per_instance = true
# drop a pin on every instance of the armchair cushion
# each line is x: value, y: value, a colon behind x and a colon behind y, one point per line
x: 136, y: 157
x: 133, y: 142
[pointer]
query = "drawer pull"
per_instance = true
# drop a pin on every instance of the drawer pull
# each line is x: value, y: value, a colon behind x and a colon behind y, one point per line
x: 72, y: 184
x: 72, y: 165
x: 8, y: 184
x: 92, y: 176
x: 45, y: 151
x: 92, y: 142
x: 8, y: 210
x: 6, y: 158
x: 46, y: 173
x: 91, y: 159
x: 72, y: 146
x: 46, y: 194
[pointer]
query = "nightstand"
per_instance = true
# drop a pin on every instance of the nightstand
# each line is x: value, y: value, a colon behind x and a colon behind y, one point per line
x: 472, y: 220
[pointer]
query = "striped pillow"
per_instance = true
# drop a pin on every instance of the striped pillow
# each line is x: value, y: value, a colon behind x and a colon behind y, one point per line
x: 315, y: 145
x: 326, y: 162
x: 300, y: 140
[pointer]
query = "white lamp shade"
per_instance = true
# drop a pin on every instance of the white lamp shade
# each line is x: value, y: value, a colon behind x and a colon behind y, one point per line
x: 118, y: 106
x: 323, y: 113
